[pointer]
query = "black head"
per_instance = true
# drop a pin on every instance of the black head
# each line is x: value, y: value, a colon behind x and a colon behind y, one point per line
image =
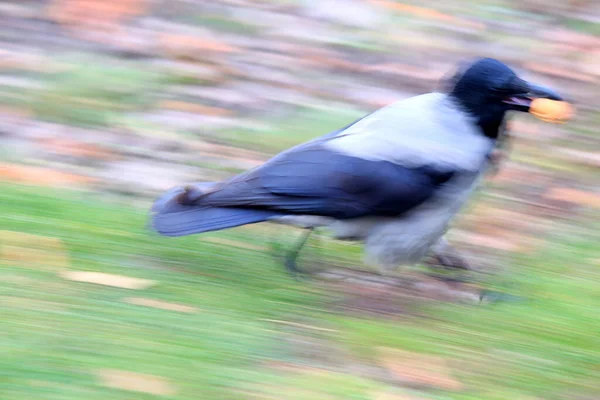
x: 487, y: 89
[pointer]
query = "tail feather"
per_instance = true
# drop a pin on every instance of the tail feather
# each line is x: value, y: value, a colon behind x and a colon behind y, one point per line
x: 171, y: 218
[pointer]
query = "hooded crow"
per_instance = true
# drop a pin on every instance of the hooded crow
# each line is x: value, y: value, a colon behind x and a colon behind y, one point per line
x: 394, y: 179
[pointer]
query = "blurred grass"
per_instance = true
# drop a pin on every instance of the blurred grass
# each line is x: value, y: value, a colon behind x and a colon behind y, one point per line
x: 93, y: 92
x: 224, y: 24
x: 57, y: 333
x: 285, y: 132
x: 545, y: 346
x: 91, y: 327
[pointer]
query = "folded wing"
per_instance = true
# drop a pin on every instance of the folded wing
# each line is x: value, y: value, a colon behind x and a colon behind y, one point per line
x: 317, y: 181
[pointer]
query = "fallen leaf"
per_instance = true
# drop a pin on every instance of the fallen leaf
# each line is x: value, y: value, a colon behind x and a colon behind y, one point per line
x: 418, y: 369
x: 391, y: 396
x: 28, y: 249
x: 575, y: 196
x: 76, y: 148
x: 298, y: 325
x: 429, y: 13
x: 591, y: 159
x: 185, y: 46
x: 513, y: 172
x: 292, y: 367
x: 40, y: 176
x: 320, y: 60
x: 90, y: 12
x: 580, y: 40
x: 501, y: 239
x: 101, y: 278
x: 138, y: 301
x: 134, y: 382
x: 233, y: 243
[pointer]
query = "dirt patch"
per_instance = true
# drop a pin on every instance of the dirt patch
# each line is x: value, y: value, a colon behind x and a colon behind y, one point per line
x: 360, y: 293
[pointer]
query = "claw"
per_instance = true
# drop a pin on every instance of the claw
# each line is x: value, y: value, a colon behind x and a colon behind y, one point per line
x: 290, y: 261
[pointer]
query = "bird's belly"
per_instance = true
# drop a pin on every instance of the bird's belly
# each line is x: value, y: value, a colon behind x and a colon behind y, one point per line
x: 356, y: 228
x: 404, y: 241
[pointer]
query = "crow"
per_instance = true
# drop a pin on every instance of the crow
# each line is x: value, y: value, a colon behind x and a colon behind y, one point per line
x: 394, y: 179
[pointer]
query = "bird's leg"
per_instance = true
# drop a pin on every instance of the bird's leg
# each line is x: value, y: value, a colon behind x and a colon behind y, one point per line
x: 292, y: 255
x: 447, y: 256
x: 453, y: 260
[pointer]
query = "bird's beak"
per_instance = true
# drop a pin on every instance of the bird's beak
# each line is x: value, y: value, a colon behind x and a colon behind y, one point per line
x: 522, y: 102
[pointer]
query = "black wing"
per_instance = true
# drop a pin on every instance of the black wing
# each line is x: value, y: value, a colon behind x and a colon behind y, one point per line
x: 314, y: 180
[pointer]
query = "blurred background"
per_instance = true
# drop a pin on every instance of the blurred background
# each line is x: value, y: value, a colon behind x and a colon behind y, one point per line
x: 105, y: 104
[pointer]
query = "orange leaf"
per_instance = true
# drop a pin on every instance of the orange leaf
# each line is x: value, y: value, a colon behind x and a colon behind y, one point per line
x: 101, y: 278
x: 135, y: 382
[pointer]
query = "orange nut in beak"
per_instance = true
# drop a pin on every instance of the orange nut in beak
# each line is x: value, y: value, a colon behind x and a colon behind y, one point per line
x: 556, y: 112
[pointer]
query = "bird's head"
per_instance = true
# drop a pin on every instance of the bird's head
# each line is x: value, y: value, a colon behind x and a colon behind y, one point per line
x: 487, y: 89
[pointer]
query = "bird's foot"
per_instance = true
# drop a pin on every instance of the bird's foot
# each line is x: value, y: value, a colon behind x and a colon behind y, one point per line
x: 453, y: 261
x: 292, y: 268
x: 290, y: 260
x: 451, y: 268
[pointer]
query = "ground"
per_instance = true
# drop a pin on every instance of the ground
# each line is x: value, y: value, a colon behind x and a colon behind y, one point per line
x: 217, y: 317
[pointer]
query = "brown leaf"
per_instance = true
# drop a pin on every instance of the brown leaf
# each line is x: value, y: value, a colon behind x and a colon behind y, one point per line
x: 578, y: 40
x: 139, y: 301
x: 513, y: 172
x: 320, y: 60
x: 500, y: 239
x: 27, y: 249
x: 418, y: 369
x: 292, y: 367
x: 134, y: 382
x: 500, y: 222
x: 101, y: 278
x: 40, y: 176
x: 575, y: 196
x: 429, y: 13
x: 298, y: 325
x: 76, y: 148
x: 186, y: 46
x: 89, y: 12
x: 591, y: 159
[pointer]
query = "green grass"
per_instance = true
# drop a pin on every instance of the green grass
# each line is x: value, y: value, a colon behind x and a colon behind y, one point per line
x: 284, y: 133
x: 93, y: 92
x: 590, y: 28
x: 56, y: 334
x: 226, y: 24
x: 545, y: 346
